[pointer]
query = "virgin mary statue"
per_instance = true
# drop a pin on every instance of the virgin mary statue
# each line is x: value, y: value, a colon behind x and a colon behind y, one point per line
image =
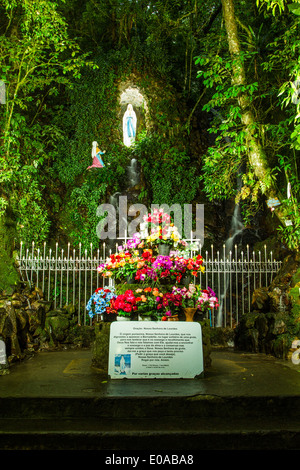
x: 129, y: 126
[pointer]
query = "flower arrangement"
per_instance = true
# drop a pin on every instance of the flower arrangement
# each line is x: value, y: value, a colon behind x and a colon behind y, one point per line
x: 124, y: 304
x: 137, y: 258
x: 120, y: 265
x: 147, y: 300
x: 168, y: 304
x: 207, y: 300
x: 195, y: 297
x: 168, y: 268
x: 194, y: 265
x: 100, y: 301
x: 158, y: 229
x: 149, y: 268
x: 133, y: 243
x: 151, y: 301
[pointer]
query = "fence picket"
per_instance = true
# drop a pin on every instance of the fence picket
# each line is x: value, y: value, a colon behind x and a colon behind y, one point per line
x: 71, y: 277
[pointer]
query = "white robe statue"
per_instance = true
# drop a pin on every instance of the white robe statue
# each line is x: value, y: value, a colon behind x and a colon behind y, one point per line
x: 129, y: 126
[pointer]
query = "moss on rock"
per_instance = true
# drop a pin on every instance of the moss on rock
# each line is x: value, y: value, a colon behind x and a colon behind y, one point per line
x: 8, y: 273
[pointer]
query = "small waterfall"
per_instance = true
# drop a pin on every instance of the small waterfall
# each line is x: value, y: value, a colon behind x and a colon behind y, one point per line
x: 235, y: 229
x: 132, y: 173
x: 131, y: 192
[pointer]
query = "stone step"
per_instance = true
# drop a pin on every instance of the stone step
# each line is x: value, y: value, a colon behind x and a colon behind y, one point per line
x: 138, y: 423
x: 176, y: 434
x: 56, y: 401
x: 118, y: 407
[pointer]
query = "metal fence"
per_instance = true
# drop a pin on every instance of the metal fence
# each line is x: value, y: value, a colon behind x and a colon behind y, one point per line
x: 69, y: 276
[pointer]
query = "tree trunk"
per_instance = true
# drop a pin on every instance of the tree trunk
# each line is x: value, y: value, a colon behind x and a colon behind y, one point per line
x: 256, y: 154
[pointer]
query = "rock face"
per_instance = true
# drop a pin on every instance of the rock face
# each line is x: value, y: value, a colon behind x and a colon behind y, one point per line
x: 28, y: 324
x: 274, y: 322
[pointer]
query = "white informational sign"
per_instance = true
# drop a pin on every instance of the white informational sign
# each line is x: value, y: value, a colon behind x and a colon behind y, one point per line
x: 3, y: 359
x: 162, y: 350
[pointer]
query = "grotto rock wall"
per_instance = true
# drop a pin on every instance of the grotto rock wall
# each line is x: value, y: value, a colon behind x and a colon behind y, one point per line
x: 28, y: 323
x: 274, y: 321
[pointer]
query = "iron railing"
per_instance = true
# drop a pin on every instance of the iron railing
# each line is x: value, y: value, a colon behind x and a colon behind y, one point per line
x: 69, y: 276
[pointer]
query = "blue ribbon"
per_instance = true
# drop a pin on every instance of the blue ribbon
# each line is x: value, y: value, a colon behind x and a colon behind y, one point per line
x: 130, y: 127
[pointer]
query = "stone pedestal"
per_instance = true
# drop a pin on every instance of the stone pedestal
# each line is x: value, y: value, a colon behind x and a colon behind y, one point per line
x: 101, y: 346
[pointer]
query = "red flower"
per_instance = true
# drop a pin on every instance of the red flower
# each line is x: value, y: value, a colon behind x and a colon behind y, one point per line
x: 165, y: 273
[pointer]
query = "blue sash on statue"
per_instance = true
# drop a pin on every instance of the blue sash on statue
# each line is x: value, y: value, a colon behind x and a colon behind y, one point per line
x: 130, y: 128
x: 99, y: 157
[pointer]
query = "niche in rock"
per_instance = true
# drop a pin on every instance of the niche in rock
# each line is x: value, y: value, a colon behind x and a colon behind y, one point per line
x: 134, y: 112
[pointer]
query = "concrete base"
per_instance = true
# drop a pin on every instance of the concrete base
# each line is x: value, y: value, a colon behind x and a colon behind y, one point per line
x: 59, y: 401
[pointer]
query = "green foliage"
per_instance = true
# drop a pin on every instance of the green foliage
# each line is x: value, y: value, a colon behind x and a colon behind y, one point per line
x: 58, y: 103
x: 82, y: 209
x: 223, y: 162
x: 89, y: 116
x: 169, y: 172
x: 36, y: 58
x: 274, y: 104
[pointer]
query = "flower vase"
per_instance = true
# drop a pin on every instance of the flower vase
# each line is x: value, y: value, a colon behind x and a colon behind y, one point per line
x: 164, y: 281
x: 130, y: 279
x: 121, y: 318
x: 186, y: 279
x: 173, y: 318
x: 189, y: 313
x: 164, y: 249
x: 144, y: 318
